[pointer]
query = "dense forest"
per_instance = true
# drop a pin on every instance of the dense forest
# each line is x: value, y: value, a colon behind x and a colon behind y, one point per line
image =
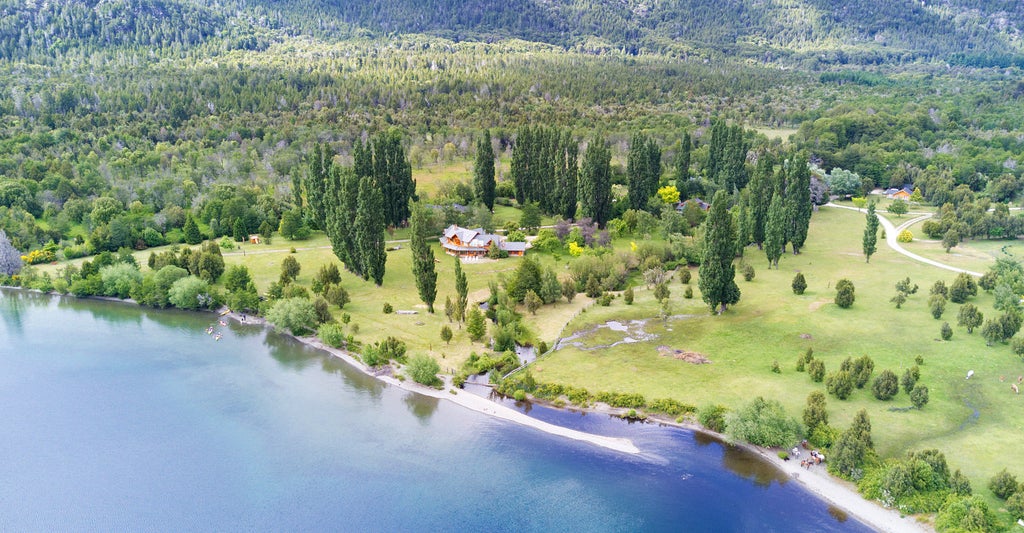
x: 118, y: 119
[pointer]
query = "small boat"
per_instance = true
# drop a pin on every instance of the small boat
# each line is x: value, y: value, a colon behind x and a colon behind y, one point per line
x: 209, y: 330
x: 224, y: 312
x: 223, y: 323
x: 217, y: 337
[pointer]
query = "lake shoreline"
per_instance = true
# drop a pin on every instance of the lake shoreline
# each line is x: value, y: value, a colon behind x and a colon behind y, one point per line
x: 817, y: 481
x: 822, y: 485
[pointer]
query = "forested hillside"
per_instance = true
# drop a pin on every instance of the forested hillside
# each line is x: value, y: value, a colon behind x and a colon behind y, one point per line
x: 813, y: 32
x: 166, y: 103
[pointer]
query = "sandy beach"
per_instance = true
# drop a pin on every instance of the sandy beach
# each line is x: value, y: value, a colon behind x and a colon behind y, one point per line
x: 817, y: 480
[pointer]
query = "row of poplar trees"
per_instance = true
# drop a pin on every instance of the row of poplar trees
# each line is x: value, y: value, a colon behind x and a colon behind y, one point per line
x: 773, y: 210
x: 354, y: 205
x: 546, y: 171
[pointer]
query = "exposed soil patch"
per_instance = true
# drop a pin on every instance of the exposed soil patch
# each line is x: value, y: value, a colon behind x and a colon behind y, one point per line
x: 817, y: 304
x: 683, y: 355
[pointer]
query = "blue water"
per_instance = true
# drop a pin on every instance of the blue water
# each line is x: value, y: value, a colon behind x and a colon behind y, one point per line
x: 116, y: 418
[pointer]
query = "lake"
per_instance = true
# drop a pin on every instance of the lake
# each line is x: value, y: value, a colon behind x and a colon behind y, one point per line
x: 123, y: 418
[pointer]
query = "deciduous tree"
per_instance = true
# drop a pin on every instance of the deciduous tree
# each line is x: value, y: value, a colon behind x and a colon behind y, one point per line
x: 483, y: 171
x: 423, y: 256
x: 717, y: 274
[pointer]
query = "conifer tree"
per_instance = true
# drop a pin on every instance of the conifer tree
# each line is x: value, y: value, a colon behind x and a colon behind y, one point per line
x: 596, y: 182
x: 483, y: 171
x: 191, y: 229
x: 369, y: 230
x: 870, y: 233
x: 717, y: 284
x: 422, y: 257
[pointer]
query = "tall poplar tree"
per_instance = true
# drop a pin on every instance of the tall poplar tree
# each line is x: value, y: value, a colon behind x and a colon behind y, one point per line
x: 775, y: 230
x: 422, y: 256
x: 637, y: 172
x: 717, y: 274
x: 870, y: 233
x: 369, y: 229
x: 682, y: 165
x: 761, y: 191
x: 596, y: 182
x: 343, y: 196
x: 567, y: 175
x: 393, y: 173
x: 461, y: 290
x: 483, y: 171
x: 798, y: 197
x: 316, y: 185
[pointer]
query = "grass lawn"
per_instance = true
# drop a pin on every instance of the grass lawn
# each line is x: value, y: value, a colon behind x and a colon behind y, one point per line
x: 771, y: 323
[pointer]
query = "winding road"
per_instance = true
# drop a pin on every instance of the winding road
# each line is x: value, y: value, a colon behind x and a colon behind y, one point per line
x: 892, y: 232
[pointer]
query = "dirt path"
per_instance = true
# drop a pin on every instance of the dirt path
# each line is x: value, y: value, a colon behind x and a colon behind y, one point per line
x: 892, y: 232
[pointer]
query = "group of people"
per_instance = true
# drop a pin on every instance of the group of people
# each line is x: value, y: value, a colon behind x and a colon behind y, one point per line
x: 216, y: 334
x: 815, y: 459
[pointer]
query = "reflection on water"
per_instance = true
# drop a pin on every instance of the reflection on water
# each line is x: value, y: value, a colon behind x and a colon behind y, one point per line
x: 422, y: 407
x: 837, y: 513
x: 12, y: 303
x: 743, y: 463
x: 280, y: 436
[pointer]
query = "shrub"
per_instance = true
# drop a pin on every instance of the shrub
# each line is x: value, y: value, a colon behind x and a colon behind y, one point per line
x: 919, y: 396
x: 446, y: 334
x: 1018, y: 346
x: 604, y: 300
x: 423, y: 369
x: 937, y: 305
x: 905, y: 236
x: 815, y: 414
x: 619, y: 399
x: 685, y: 276
x: 909, y: 379
x: 946, y: 332
x: 294, y: 314
x: 671, y: 407
x: 763, y: 423
x: 688, y: 293
x: 1003, y: 485
x: 844, y: 293
x: 861, y: 370
x: 712, y: 417
x: 748, y: 272
x: 627, y: 296
x: 519, y: 395
x: 824, y: 436
x: 816, y: 369
x: 965, y: 514
x: 388, y: 309
x: 839, y: 384
x: 331, y: 335
x: 799, y: 283
x: 775, y: 367
x: 886, y: 385
x: 1015, y: 505
x: 337, y: 295
x: 919, y: 359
